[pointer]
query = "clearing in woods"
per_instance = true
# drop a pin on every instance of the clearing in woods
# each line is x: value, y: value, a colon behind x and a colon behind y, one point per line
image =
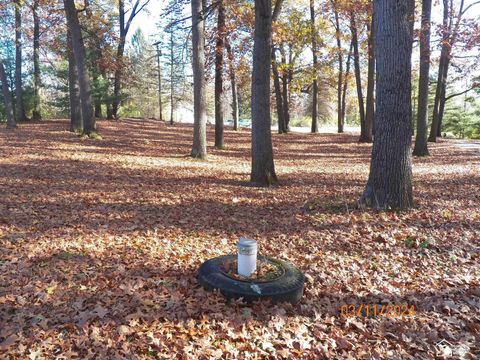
x: 101, y: 240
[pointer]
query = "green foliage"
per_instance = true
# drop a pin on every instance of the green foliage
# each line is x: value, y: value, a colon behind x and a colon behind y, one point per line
x: 463, y: 124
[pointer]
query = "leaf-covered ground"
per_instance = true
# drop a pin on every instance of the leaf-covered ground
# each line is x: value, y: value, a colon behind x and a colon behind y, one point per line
x: 100, y: 241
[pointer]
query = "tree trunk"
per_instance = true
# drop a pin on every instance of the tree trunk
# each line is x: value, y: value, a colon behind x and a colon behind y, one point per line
x: 233, y: 84
x: 314, y: 128
x: 74, y: 92
x: 285, y: 97
x: 263, y: 168
x: 441, y: 73
x: 7, y: 98
x: 390, y: 181
x: 109, y: 107
x: 345, y: 85
x: 340, y: 68
x: 199, y: 149
x: 452, y: 34
x: 358, y: 78
x: 172, y: 78
x: 80, y: 62
x: 421, y: 148
x: 120, y: 50
x: 159, y: 70
x: 370, y: 113
x: 441, y: 110
x: 219, y: 48
x: 278, y: 94
x: 36, y: 116
x: 19, y: 107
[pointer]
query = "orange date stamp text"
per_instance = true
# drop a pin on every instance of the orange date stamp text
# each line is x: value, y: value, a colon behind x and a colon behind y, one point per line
x: 376, y: 310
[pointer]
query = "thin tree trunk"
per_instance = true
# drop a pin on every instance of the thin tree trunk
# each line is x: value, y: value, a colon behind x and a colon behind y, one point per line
x: 97, y: 101
x: 36, y: 116
x: 370, y: 113
x: 278, y: 94
x: 345, y: 84
x: 285, y: 97
x: 411, y: 9
x: 120, y: 50
x: 109, y: 110
x: 159, y: 70
x: 421, y: 148
x: 443, y: 94
x: 7, y: 98
x: 74, y: 92
x: 441, y: 73
x: 390, y: 181
x: 314, y: 128
x: 199, y: 149
x: 19, y: 107
x: 340, y: 68
x: 263, y: 168
x: 172, y: 78
x: 80, y: 62
x: 233, y: 84
x: 358, y: 78
x: 219, y: 49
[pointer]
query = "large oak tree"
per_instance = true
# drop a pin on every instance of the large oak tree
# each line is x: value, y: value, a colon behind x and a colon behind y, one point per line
x: 389, y: 184
x: 263, y: 168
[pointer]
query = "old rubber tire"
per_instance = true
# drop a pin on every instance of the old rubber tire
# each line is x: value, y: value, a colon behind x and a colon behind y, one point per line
x: 286, y: 288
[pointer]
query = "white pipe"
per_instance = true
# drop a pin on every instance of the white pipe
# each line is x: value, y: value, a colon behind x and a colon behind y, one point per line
x: 247, y: 256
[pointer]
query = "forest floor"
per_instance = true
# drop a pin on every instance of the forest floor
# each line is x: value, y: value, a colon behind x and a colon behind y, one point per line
x: 100, y: 241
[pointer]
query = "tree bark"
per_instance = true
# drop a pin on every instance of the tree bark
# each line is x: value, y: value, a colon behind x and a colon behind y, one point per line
x: 36, y: 116
x: 358, y: 78
x: 199, y: 149
x: 421, y: 148
x: 159, y: 70
x: 233, y: 84
x: 345, y: 84
x: 219, y: 49
x: 370, y: 113
x: 82, y: 72
x: 285, y: 95
x: 74, y: 92
x: 340, y: 68
x: 7, y: 98
x: 278, y: 94
x: 172, y: 77
x: 120, y: 50
x: 390, y: 181
x: 450, y: 33
x: 314, y: 128
x: 19, y: 107
x: 263, y: 168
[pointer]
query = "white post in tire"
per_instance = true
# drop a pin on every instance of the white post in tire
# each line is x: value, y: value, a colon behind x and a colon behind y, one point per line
x: 247, y: 256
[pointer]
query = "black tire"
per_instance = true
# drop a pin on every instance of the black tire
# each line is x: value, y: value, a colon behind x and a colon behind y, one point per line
x: 287, y: 288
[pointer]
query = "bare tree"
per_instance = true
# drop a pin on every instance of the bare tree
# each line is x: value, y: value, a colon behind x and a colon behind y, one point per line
x: 125, y: 24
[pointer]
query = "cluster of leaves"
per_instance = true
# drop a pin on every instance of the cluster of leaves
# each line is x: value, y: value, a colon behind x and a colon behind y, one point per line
x: 101, y: 241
